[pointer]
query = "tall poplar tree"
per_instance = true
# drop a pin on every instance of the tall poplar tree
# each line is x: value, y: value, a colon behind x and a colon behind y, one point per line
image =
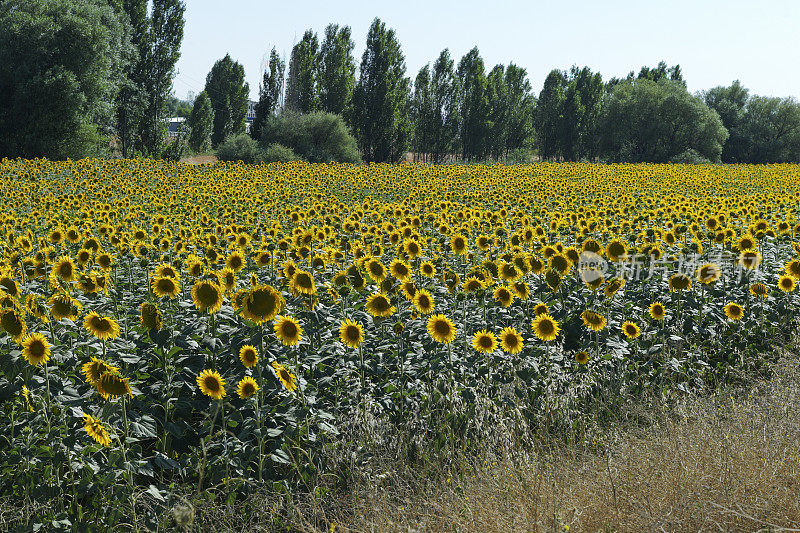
x: 229, y: 95
x: 336, y: 70
x: 444, y: 96
x: 301, y: 87
x: 474, y: 107
x: 269, y: 93
x: 381, y: 98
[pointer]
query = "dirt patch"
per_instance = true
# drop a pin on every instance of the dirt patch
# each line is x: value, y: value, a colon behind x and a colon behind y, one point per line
x: 199, y: 159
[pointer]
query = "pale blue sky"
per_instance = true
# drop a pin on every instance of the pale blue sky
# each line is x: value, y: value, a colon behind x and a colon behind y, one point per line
x: 715, y: 42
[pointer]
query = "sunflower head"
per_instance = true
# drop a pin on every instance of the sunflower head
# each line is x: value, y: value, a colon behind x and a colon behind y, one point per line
x: 247, y: 387
x: 484, y: 341
x: 510, y: 341
x: 112, y: 385
x: 95, y: 429
x: 657, y: 310
x: 545, y: 327
x: 165, y: 286
x: 12, y: 323
x: 288, y: 331
x: 582, y: 357
x: 441, y: 329
x: 351, y: 334
x: 379, y: 305
x: 734, y: 311
x: 207, y: 296
x: 150, y: 316
x: 211, y: 384
x: 630, y: 329
x: 759, y: 290
x: 286, y: 378
x: 679, y: 282
x: 101, y: 327
x: 786, y: 283
x: 36, y: 349
x: 262, y: 304
x: 248, y: 355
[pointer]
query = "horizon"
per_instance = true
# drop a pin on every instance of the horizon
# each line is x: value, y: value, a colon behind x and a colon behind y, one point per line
x: 713, y: 48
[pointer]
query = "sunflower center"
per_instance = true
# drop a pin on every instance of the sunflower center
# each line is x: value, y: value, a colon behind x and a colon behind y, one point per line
x: 37, y: 349
x: 352, y: 333
x: 211, y: 383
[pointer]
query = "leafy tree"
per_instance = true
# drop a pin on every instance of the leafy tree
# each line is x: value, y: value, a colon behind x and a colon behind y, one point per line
x: 62, y: 62
x: 474, y: 106
x: 201, y: 123
x: 269, y: 93
x: 337, y: 70
x: 444, y: 100
x: 646, y: 121
x: 422, y: 114
x: 381, y: 97
x: 131, y: 99
x: 770, y: 130
x: 177, y: 107
x: 548, y: 115
x: 229, y: 95
x: 520, y: 109
x: 730, y: 103
x: 158, y: 53
x: 589, y: 87
x: 497, y: 112
x: 301, y: 88
x: 661, y: 72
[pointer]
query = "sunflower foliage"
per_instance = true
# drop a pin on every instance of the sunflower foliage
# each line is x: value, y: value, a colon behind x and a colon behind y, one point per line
x: 222, y: 329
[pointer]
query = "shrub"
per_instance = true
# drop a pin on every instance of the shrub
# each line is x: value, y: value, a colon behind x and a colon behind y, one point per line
x: 279, y: 153
x: 316, y: 137
x: 240, y: 148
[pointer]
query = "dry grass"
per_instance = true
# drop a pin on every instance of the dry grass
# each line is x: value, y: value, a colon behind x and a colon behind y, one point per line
x: 730, y: 462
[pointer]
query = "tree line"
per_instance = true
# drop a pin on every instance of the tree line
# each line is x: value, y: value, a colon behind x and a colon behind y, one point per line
x: 78, y: 75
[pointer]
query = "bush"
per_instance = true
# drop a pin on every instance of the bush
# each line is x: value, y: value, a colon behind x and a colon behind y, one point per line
x: 690, y: 157
x: 316, y: 137
x: 240, y: 148
x: 279, y: 153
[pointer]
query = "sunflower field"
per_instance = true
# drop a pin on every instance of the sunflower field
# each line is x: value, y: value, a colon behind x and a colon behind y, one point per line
x: 168, y: 325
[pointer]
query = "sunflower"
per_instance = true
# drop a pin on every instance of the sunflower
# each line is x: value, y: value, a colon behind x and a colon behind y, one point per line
x: 95, y: 369
x: 423, y: 301
x: 759, y: 290
x: 286, y: 378
x: 614, y: 286
x: 246, y: 387
x: 459, y: 244
x: 472, y: 284
x: 400, y: 269
x: 35, y: 349
x: 734, y: 311
x: 351, y: 334
x: 616, y: 251
x: 427, y: 269
x: 630, y: 329
x: 521, y: 290
x: 302, y: 282
x: 63, y: 306
x: 376, y: 270
x: 510, y: 341
x: 679, y: 282
x: 95, y: 429
x: 786, y: 283
x: 441, y: 329
x: 211, y: 384
x: 657, y: 311
x: 12, y: 323
x: 593, y: 321
x: 235, y: 261
x: 504, y: 295
x: 708, y: 273
x: 582, y: 357
x: 35, y: 306
x: 484, y: 341
x: 288, y: 330
x: 379, y: 305
x: 65, y: 268
x: 112, y: 385
x: 262, y: 304
x: 248, y: 355
x: 150, y: 316
x: 165, y: 286
x: 792, y: 268
x: 508, y: 272
x: 545, y: 327
x: 540, y: 309
x: 102, y: 327
x: 207, y: 296
x: 749, y: 259
x: 226, y: 279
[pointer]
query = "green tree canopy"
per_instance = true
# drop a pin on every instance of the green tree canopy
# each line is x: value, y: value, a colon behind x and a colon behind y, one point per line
x: 60, y: 71
x: 729, y: 103
x: 473, y: 105
x: 646, y: 121
x: 229, y: 95
x: 301, y: 87
x: 770, y: 128
x: 269, y: 93
x: 337, y: 70
x: 381, y: 98
x: 201, y: 123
